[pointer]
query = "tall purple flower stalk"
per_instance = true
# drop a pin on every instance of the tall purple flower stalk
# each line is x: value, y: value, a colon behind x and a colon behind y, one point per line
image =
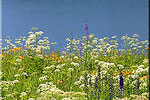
x: 80, y: 49
x: 96, y: 88
x: 121, y: 84
x: 81, y: 53
x: 86, y: 29
x: 111, y: 88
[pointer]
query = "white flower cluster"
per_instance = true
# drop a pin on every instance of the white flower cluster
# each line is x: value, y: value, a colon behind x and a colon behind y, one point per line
x: 49, y: 67
x: 141, y: 69
x: 43, y: 78
x: 6, y: 84
x: 77, y: 83
x: 23, y: 94
x: 9, y: 44
x: 59, y: 66
x: 70, y: 69
x: 34, y: 43
x: 75, y: 64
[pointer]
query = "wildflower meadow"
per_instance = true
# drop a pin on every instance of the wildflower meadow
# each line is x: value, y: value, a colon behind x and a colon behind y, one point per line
x: 89, y: 68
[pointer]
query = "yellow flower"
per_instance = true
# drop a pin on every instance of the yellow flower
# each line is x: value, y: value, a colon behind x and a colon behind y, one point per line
x: 93, y: 73
x: 106, y: 58
x: 147, y: 48
x: 116, y: 52
x: 144, y: 77
x: 56, y: 58
x: 47, y: 56
x: 60, y: 60
x: 19, y: 48
x: 114, y: 74
x: 15, y: 49
x: 128, y: 72
x: 26, y: 47
x: 3, y: 55
x: 10, y: 50
x: 52, y: 53
x: 41, y: 52
x: 34, y: 50
x: 59, y: 82
x: 52, y: 58
x: 20, y: 57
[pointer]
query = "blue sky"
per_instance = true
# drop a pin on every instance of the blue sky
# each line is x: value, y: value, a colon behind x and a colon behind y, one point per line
x: 56, y: 17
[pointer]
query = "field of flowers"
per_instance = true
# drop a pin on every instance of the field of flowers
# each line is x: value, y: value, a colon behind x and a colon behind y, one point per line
x: 88, y: 69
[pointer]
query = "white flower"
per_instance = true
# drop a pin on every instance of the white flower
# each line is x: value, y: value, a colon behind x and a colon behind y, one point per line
x: 50, y: 83
x: 134, y: 76
x: 81, y: 78
x: 84, y: 37
x: 16, y: 75
x: 70, y: 69
x: 40, y: 32
x: 49, y: 67
x: 120, y: 66
x: 76, y: 57
x: 135, y: 35
x: 100, y: 62
x: 24, y: 73
x: 103, y: 72
x: 94, y: 41
x: 111, y: 64
x: 114, y: 36
x: 43, y: 87
x: 15, y: 81
x: 53, y: 43
x: 58, y: 66
x: 31, y: 99
x: 40, y: 56
x: 62, y: 57
x: 23, y: 94
x: 144, y: 84
x: 91, y: 35
x: 75, y: 64
x: 93, y: 78
x: 77, y: 82
x: 43, y: 78
x: 18, y: 60
x: 57, y: 70
x: 82, y: 86
x: 67, y: 39
x: 141, y: 66
x: 40, y: 41
x: 32, y: 36
x: 106, y: 38
x: 66, y: 99
x: 96, y: 61
x: 145, y: 94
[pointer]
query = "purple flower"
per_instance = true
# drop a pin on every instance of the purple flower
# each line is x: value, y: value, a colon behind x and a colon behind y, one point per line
x: 80, y: 48
x: 111, y: 88
x: 86, y: 29
x: 121, y: 84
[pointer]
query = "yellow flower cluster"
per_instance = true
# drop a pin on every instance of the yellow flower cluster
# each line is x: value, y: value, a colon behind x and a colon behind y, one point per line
x: 59, y: 82
x: 55, y: 57
x: 126, y: 72
x: 15, y: 49
x: 144, y: 77
x: 3, y: 55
